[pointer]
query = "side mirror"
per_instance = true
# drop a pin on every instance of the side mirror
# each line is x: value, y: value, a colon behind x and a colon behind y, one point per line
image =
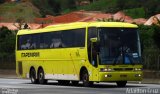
x: 93, y: 39
x: 95, y: 43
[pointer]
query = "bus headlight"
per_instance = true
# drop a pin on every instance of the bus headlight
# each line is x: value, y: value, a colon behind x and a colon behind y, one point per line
x: 106, y: 69
x: 138, y: 75
x: 137, y: 69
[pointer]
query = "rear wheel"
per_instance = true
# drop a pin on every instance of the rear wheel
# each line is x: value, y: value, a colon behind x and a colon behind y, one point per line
x: 121, y: 83
x: 33, y: 76
x: 85, y: 79
x: 41, y: 77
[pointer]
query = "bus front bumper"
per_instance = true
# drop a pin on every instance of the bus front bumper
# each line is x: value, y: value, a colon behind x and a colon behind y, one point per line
x: 120, y: 76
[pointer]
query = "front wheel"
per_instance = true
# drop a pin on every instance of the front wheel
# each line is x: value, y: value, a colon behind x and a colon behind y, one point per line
x: 121, y: 83
x: 41, y: 77
x: 85, y: 79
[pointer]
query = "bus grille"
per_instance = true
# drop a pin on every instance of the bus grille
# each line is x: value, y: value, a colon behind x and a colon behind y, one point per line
x: 123, y: 69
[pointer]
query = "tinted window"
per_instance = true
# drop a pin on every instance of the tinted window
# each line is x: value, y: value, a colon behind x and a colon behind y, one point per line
x: 79, y: 38
x: 35, y: 41
x: 119, y: 46
x: 28, y: 42
x: 60, y: 39
x: 55, y: 40
x: 74, y: 38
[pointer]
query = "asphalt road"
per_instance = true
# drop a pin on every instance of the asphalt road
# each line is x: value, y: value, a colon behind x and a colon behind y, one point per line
x: 23, y: 86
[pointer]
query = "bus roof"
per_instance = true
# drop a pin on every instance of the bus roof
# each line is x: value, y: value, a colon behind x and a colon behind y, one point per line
x: 75, y: 25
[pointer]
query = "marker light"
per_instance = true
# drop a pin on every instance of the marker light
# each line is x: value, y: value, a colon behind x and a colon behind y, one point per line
x: 138, y: 69
x: 106, y: 69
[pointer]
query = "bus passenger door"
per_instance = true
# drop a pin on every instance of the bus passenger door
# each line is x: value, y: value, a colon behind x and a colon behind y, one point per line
x: 94, y: 61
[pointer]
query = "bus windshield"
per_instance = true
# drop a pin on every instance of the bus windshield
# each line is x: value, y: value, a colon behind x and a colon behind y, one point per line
x: 119, y: 46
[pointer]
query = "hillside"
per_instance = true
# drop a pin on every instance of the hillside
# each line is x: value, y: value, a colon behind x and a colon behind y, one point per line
x: 133, y: 8
x: 13, y: 11
x: 30, y: 9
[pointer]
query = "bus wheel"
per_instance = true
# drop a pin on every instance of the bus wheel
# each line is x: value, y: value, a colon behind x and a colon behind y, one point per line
x: 41, y: 77
x: 121, y: 83
x: 33, y: 76
x: 85, y: 79
x: 75, y: 83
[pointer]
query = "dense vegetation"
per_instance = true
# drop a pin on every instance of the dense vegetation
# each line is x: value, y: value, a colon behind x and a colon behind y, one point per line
x: 150, y: 36
x: 134, y: 8
x: 131, y: 7
x: 54, y: 7
x: 7, y: 42
x: 7, y: 48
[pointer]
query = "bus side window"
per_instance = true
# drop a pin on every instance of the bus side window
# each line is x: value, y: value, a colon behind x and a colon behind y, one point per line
x: 28, y: 42
x: 33, y: 46
x: 67, y: 41
x: 34, y: 41
x: 24, y: 42
x: 23, y: 47
x: 41, y: 44
x: 52, y: 43
x: 55, y: 40
x: 56, y: 43
x: 73, y: 38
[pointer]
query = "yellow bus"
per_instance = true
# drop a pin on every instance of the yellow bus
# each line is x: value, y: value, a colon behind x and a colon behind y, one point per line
x: 81, y: 51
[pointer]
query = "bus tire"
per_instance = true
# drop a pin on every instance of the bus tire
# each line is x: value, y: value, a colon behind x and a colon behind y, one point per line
x: 85, y: 79
x: 41, y: 77
x: 121, y: 83
x: 33, y: 76
x: 75, y: 83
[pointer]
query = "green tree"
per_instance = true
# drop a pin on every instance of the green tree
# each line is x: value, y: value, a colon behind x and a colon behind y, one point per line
x: 151, y: 7
x: 56, y: 6
x: 150, y: 36
x: 68, y: 4
x: 156, y: 35
x: 146, y: 35
x: 7, y: 41
x: 44, y: 7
